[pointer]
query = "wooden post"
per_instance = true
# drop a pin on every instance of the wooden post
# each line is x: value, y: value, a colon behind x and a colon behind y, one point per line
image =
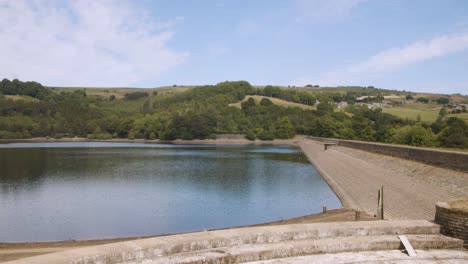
x: 357, y: 216
x: 324, y: 208
x: 378, y: 204
x: 381, y: 203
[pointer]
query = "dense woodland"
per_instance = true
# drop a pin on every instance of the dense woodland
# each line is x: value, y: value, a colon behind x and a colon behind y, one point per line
x: 204, y: 112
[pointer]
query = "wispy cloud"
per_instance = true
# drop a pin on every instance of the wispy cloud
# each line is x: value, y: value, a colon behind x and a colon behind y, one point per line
x: 84, y: 42
x: 395, y: 59
x: 330, y: 9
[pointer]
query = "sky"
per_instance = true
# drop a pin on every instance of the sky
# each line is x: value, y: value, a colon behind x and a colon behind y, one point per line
x: 417, y: 45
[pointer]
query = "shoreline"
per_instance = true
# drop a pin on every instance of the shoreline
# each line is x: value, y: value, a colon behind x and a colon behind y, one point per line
x: 18, y: 250
x: 222, y: 140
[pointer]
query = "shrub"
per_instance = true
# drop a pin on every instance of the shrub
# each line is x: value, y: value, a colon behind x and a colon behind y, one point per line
x: 250, y: 135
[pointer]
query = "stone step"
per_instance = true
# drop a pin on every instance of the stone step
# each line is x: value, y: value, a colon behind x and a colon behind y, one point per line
x: 285, y: 249
x: 377, y: 257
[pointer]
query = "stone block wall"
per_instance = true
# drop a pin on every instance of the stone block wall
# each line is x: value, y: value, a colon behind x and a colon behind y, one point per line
x: 453, y: 221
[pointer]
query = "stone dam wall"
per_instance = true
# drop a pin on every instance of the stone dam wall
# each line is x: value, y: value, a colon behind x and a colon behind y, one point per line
x: 448, y: 159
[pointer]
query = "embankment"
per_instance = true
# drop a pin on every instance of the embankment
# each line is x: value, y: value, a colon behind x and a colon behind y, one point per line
x: 411, y: 188
x: 449, y: 159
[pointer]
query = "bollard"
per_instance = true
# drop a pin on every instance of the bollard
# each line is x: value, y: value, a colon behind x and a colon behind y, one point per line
x: 324, y: 209
x: 357, y: 216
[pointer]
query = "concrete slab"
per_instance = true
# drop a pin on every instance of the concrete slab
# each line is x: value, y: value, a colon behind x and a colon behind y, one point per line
x: 378, y: 257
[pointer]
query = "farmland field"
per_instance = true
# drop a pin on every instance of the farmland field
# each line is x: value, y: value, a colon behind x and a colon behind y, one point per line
x: 275, y: 101
x: 427, y: 112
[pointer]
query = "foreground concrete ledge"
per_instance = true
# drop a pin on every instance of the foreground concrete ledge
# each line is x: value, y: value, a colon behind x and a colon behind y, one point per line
x: 391, y: 256
x: 163, y: 246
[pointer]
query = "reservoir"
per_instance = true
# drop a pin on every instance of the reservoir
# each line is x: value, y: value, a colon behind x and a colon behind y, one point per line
x: 91, y: 190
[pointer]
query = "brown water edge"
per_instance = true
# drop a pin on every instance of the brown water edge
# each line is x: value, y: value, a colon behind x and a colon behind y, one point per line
x: 12, y: 251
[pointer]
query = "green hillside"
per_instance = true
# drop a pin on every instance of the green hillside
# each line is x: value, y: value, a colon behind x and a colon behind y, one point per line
x: 28, y: 109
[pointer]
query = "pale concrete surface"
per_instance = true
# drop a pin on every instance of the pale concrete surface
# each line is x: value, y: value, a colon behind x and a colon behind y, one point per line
x: 253, y: 252
x: 378, y: 257
x: 256, y: 243
x: 356, y: 181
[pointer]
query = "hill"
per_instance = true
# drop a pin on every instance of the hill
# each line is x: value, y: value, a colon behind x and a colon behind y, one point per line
x: 28, y: 109
x: 119, y: 92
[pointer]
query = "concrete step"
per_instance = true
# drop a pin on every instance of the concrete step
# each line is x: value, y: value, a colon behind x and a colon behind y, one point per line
x: 377, y: 257
x: 167, y: 245
x: 285, y: 249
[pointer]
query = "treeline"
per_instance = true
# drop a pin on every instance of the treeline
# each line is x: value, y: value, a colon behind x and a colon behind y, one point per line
x: 17, y: 87
x: 204, y: 112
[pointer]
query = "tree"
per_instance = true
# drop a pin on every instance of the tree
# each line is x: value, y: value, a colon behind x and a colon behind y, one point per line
x: 443, y: 100
x: 265, y: 102
x: 423, y: 100
x: 284, y: 128
x: 250, y: 135
x: 266, y: 134
x: 443, y: 112
x: 455, y: 133
x: 146, y: 107
x: 135, y: 95
x: 248, y: 104
x: 325, y: 107
x: 414, y: 135
x: 418, y: 118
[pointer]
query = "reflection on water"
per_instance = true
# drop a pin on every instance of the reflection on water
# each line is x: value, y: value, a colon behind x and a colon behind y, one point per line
x: 57, y: 191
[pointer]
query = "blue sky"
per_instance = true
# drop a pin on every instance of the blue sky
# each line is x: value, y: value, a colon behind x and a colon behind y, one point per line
x: 406, y: 45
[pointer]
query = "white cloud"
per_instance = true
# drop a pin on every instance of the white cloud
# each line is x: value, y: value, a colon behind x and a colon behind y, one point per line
x: 320, y: 9
x: 394, y: 59
x: 84, y: 42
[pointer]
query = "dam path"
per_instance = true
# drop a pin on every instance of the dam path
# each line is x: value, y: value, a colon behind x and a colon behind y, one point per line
x: 356, y: 181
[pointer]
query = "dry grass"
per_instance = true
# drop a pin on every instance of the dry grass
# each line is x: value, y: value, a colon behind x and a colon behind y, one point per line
x: 21, y: 97
x: 275, y: 101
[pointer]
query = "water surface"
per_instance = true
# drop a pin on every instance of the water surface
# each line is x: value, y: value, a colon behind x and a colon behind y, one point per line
x: 60, y: 191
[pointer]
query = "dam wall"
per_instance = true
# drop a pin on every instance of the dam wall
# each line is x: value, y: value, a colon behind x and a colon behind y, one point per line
x: 448, y: 159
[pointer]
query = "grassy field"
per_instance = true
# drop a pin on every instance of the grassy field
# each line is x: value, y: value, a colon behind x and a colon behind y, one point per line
x: 119, y: 92
x: 427, y: 112
x: 275, y: 101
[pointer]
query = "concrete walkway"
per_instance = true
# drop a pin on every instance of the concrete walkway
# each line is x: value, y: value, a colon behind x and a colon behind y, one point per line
x: 356, y: 182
